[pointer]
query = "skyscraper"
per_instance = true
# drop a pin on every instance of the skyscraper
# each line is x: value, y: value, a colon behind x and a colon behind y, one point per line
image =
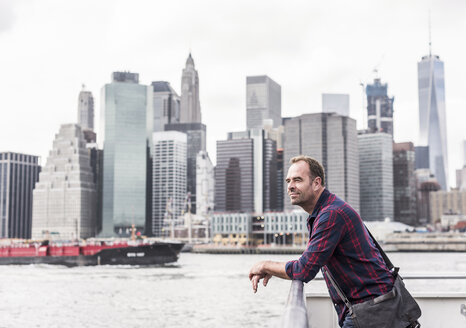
x: 422, y: 157
x: 246, y: 173
x: 332, y: 140
x: 86, y: 110
x: 379, y: 108
x: 205, y: 184
x: 166, y: 105
x: 196, y: 133
x: 404, y: 183
x: 432, y: 120
x: 125, y: 139
x: 65, y: 196
x: 376, y: 176
x: 190, y: 106
x: 169, y: 180
x: 263, y: 101
x: 18, y: 176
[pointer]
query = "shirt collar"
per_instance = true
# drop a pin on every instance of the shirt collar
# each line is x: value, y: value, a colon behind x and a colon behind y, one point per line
x: 320, y: 203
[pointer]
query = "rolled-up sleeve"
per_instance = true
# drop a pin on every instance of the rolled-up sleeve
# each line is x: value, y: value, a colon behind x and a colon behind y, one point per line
x: 328, y: 231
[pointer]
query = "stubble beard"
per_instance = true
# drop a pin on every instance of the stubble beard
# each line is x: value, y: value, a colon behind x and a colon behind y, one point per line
x: 296, y: 201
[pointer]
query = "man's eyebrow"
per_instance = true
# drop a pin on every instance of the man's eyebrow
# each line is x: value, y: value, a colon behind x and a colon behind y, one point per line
x: 294, y: 178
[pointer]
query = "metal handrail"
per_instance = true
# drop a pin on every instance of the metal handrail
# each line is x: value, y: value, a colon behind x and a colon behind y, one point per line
x: 295, y: 315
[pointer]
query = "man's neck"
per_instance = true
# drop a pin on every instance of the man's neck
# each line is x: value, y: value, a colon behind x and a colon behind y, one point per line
x: 310, y: 208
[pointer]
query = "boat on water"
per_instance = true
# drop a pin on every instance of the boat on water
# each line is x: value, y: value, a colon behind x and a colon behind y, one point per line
x: 94, y: 252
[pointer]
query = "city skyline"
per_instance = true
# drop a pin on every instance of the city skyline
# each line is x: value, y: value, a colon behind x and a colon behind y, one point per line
x: 312, y: 50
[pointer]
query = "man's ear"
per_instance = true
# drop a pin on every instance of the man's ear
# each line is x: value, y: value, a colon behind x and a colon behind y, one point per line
x: 319, y: 184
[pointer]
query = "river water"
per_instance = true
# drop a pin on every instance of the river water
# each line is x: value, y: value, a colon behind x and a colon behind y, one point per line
x: 200, y: 290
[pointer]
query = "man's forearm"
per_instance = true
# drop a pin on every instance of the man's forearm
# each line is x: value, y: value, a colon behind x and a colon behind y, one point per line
x: 277, y: 269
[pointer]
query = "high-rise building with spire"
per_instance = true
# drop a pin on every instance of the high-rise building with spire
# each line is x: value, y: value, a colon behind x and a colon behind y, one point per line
x: 190, y: 107
x: 190, y: 123
x: 86, y: 110
x: 432, y: 117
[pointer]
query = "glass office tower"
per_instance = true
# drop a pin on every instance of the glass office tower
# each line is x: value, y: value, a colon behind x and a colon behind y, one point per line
x: 376, y: 176
x: 123, y: 131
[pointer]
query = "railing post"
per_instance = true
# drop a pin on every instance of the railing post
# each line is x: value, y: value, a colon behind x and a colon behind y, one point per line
x: 295, y: 315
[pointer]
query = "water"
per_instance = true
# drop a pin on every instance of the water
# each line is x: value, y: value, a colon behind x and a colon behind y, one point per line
x: 199, y: 291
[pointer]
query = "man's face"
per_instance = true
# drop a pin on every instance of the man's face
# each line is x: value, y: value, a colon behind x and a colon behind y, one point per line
x: 300, y: 186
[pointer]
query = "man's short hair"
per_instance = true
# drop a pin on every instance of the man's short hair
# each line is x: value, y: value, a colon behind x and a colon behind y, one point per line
x: 315, y: 168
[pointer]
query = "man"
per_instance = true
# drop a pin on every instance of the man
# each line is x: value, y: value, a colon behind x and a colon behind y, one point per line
x: 338, y: 240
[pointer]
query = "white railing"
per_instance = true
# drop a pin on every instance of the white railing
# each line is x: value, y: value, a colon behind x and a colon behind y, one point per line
x: 295, y: 315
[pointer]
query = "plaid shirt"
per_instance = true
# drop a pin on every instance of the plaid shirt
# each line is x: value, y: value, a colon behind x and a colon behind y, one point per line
x: 339, y: 240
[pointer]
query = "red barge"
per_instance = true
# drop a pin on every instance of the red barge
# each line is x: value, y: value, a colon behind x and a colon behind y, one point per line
x: 95, y: 253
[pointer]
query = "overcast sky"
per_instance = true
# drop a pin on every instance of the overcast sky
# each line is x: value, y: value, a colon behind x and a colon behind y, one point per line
x: 48, y: 49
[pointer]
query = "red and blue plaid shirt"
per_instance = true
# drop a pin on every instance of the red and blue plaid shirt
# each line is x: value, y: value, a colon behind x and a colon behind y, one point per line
x: 339, y: 240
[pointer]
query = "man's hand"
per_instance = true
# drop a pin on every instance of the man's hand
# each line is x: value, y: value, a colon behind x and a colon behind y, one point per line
x: 265, y: 270
x: 257, y: 273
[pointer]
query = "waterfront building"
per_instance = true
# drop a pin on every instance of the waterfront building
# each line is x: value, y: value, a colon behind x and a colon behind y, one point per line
x: 86, y: 110
x: 190, y: 106
x: 283, y: 228
x: 263, y: 101
x: 246, y: 171
x: 169, y: 199
x: 404, y: 183
x: 425, y: 184
x: 166, y: 105
x: 205, y: 184
x: 376, y: 176
x: 432, y: 119
x: 196, y: 134
x: 379, y: 108
x: 461, y: 178
x: 124, y: 133
x: 332, y: 140
x: 18, y: 176
x: 461, y: 173
x: 464, y: 152
x: 335, y: 103
x: 64, y: 199
x: 444, y: 202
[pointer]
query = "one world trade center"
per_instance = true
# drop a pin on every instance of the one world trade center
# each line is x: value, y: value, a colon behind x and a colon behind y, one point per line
x: 432, y: 119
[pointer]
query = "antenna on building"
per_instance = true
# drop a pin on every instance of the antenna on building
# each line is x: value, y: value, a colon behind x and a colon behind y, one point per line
x: 363, y: 93
x: 83, y: 87
x: 430, y: 36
